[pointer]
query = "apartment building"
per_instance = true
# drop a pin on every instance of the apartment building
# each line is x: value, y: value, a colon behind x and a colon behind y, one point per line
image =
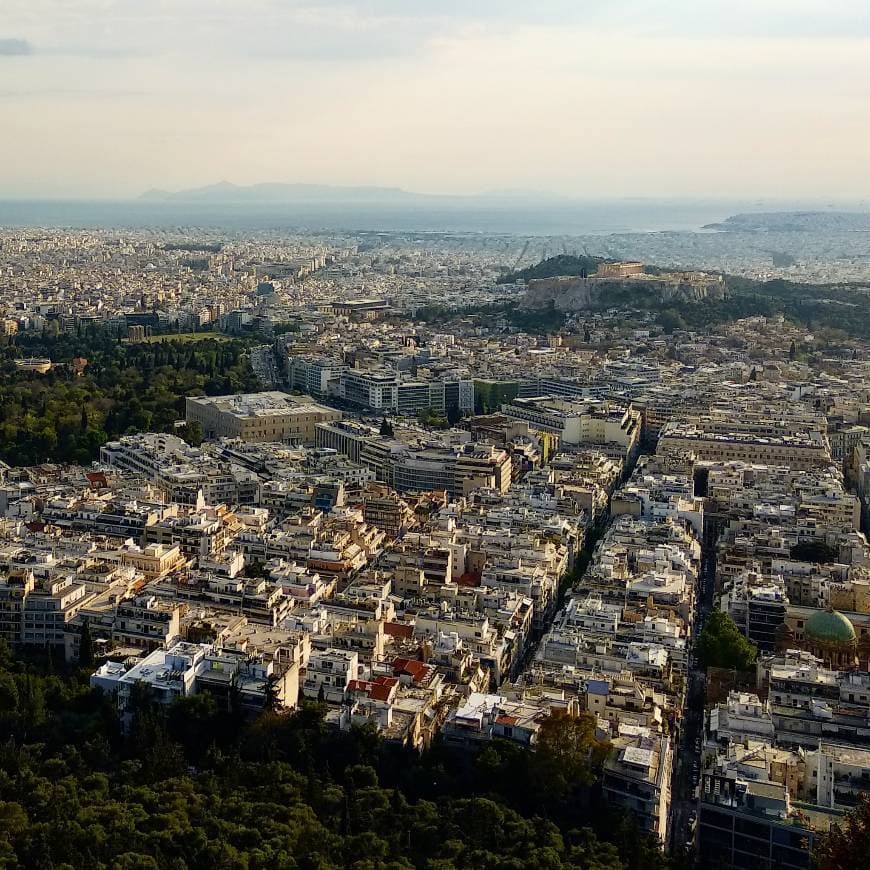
x: 606, y: 425
x: 799, y: 450
x: 328, y: 675
x: 36, y: 611
x: 637, y: 776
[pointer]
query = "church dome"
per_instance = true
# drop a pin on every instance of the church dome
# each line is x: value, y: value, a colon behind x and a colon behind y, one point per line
x: 829, y: 626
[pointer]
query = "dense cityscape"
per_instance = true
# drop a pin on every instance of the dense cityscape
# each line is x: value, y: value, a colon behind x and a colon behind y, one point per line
x: 434, y: 436
x: 409, y: 550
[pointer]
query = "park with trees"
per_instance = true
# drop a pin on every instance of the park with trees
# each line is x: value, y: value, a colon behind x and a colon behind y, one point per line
x: 197, y: 785
x: 66, y: 414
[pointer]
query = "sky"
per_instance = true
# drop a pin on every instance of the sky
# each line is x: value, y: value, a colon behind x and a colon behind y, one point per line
x: 585, y: 98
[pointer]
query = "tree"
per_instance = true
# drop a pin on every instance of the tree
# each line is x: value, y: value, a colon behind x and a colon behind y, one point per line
x: 192, y: 433
x: 814, y: 551
x: 792, y: 351
x: 271, y: 695
x: 86, y: 645
x: 847, y: 845
x: 386, y: 428
x: 721, y: 644
x: 567, y: 746
x: 670, y: 320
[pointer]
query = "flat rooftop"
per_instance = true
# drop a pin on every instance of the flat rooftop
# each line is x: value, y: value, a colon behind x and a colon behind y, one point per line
x: 270, y: 403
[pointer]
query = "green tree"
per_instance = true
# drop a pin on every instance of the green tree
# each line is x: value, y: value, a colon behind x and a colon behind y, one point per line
x: 191, y: 432
x: 721, y: 644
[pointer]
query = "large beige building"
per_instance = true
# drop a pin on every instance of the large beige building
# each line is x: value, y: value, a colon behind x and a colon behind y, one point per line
x: 801, y: 451
x: 268, y: 416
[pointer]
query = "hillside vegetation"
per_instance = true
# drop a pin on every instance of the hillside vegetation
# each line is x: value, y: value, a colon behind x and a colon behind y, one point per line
x: 564, y: 264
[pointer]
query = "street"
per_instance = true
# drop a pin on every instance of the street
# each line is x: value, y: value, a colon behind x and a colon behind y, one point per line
x: 687, y: 753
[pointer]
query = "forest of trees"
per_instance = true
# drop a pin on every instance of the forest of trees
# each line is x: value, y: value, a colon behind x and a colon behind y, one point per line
x: 197, y: 786
x: 64, y: 417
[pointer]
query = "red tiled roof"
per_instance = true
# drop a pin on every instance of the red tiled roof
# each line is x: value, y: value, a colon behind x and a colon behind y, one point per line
x: 399, y: 629
x: 379, y: 689
x: 381, y: 693
x: 418, y: 671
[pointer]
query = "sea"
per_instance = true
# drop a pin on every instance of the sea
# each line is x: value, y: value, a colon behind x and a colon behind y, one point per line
x: 483, y: 216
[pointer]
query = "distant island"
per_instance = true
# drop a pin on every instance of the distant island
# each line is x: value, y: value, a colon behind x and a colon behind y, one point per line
x: 794, y: 221
x: 276, y: 192
x: 281, y: 193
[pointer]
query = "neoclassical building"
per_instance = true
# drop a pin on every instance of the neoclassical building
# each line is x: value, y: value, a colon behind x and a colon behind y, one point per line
x: 827, y: 634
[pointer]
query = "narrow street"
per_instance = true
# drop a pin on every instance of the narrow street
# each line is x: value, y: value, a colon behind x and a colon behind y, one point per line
x: 687, y: 752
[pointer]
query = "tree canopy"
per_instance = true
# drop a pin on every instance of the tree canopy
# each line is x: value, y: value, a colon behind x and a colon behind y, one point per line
x: 65, y: 417
x: 721, y: 644
x: 195, y: 785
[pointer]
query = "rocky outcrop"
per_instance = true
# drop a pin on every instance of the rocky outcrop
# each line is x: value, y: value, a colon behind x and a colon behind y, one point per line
x: 571, y: 294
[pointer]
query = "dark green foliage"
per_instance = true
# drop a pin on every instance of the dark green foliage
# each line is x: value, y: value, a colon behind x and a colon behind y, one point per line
x: 197, y: 786
x: 386, y: 428
x: 59, y: 417
x: 721, y: 644
x: 814, y: 551
x: 192, y: 433
x: 564, y: 264
x: 86, y: 645
x: 670, y: 320
x: 489, y: 396
x: 433, y: 419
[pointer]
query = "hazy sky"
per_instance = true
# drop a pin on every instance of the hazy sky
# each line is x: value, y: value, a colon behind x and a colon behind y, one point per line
x: 584, y: 97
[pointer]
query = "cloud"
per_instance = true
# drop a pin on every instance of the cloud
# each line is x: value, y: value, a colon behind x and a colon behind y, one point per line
x: 15, y: 47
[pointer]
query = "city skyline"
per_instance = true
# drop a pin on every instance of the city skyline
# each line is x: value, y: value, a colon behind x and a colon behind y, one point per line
x: 108, y: 99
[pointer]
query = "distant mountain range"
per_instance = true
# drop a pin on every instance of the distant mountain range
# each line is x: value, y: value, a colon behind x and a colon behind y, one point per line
x: 277, y: 192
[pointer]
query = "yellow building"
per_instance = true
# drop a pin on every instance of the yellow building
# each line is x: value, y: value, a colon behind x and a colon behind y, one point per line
x: 155, y: 560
